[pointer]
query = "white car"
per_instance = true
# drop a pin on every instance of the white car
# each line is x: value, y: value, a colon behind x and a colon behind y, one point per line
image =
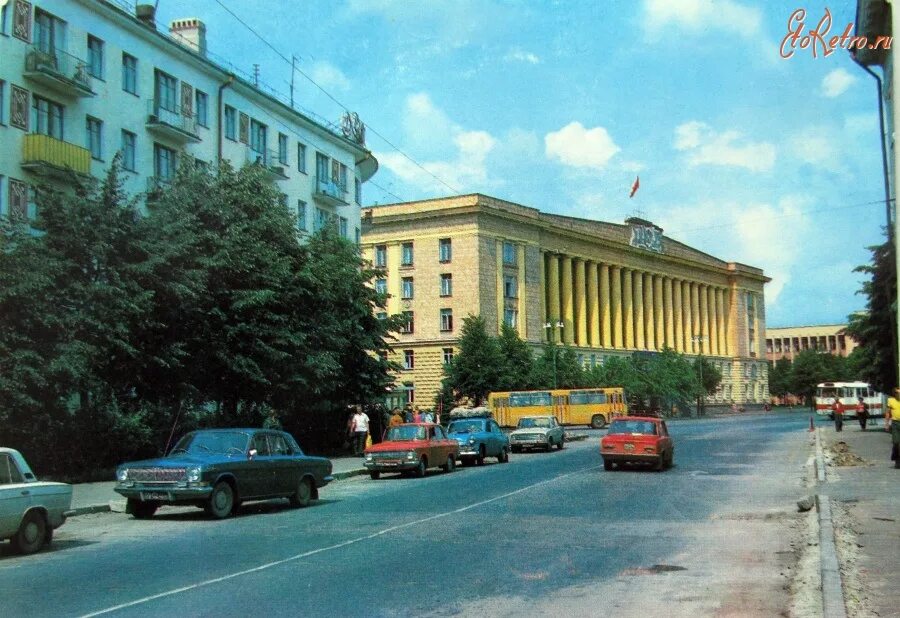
x: 542, y: 432
x: 29, y: 509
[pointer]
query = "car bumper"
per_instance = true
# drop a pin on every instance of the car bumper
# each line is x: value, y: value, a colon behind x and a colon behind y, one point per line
x: 632, y: 457
x: 168, y: 495
x: 529, y: 443
x: 469, y: 450
x: 388, y: 466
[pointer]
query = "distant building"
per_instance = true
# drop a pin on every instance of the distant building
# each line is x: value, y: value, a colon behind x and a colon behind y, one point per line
x: 82, y: 80
x: 605, y: 289
x: 786, y: 342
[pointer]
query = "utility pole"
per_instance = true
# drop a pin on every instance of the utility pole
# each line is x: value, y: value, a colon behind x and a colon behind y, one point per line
x: 293, y: 71
x: 549, y: 327
x: 256, y: 75
x: 698, y: 341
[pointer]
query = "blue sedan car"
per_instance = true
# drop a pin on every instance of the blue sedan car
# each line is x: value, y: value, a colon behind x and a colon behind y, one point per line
x: 479, y: 438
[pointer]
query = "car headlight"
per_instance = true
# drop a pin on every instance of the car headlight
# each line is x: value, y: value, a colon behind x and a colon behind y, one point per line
x: 122, y: 474
x: 472, y: 440
x: 368, y: 456
x: 193, y: 475
x: 411, y: 455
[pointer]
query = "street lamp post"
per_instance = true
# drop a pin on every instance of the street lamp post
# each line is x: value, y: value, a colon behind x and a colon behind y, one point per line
x: 698, y: 340
x: 550, y: 327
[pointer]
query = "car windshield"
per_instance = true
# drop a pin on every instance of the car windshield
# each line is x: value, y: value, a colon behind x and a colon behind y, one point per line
x: 406, y: 433
x: 642, y: 427
x: 528, y: 423
x: 224, y: 442
x: 465, y: 426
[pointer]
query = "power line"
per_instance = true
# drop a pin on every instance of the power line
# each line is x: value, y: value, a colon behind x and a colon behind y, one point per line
x: 332, y: 98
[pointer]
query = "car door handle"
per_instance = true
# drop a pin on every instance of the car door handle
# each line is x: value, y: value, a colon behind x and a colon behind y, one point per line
x: 25, y: 492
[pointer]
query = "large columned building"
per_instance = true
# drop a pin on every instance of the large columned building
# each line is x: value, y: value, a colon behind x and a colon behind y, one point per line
x: 605, y: 289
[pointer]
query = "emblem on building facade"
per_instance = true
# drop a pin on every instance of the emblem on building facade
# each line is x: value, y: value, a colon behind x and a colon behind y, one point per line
x: 645, y: 235
x: 353, y: 128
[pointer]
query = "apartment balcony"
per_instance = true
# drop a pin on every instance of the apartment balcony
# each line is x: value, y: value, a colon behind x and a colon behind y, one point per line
x: 156, y: 185
x: 329, y: 191
x: 170, y: 124
x: 268, y: 160
x: 47, y: 156
x: 58, y: 71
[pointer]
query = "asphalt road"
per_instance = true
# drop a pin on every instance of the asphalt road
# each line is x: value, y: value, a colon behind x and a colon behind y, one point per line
x: 548, y: 533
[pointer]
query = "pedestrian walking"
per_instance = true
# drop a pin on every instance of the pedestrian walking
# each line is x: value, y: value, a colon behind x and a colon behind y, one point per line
x: 862, y: 413
x: 360, y: 427
x: 837, y: 410
x: 892, y: 424
x: 272, y: 421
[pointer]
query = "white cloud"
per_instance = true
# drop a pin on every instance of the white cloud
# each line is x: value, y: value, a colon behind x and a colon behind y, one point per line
x: 704, y: 146
x: 702, y: 16
x: 837, y: 82
x: 520, y: 55
x: 816, y: 146
x: 329, y: 76
x: 576, y: 146
x: 633, y: 166
x: 427, y: 125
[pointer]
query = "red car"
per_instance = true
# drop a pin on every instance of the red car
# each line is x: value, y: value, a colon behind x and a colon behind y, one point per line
x: 412, y: 447
x: 637, y: 439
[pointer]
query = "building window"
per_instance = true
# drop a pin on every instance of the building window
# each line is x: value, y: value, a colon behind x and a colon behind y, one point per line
x: 2, y: 212
x: 410, y: 392
x: 95, y: 138
x: 448, y: 355
x: 230, y: 123
x: 2, y: 100
x: 342, y: 227
x: 301, y: 157
x: 409, y: 359
x: 202, y: 105
x: 129, y: 73
x: 3, y: 14
x: 446, y: 320
x: 258, y: 137
x: 46, y: 117
x: 408, y: 325
x: 446, y: 284
x: 342, y: 176
x: 95, y: 56
x: 406, y: 288
x: 129, y: 151
x: 301, y: 215
x: 510, y: 286
x: 445, y: 250
x: 49, y: 32
x: 381, y: 286
x: 356, y: 235
x: 511, y: 318
x: 509, y: 254
x: 381, y: 256
x: 163, y: 163
x: 357, y: 190
x: 382, y: 315
x: 406, y: 254
x: 282, y: 148
x: 166, y: 91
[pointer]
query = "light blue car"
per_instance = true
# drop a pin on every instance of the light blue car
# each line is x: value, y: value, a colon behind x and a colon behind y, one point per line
x: 478, y: 438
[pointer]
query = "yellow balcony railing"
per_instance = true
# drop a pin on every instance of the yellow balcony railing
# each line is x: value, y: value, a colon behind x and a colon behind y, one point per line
x: 40, y: 149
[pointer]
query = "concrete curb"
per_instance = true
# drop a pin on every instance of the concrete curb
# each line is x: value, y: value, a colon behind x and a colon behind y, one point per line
x: 820, y: 459
x: 832, y: 590
x: 87, y: 510
x: 339, y: 476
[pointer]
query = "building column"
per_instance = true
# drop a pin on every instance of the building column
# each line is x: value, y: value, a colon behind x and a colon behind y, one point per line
x: 695, y: 316
x: 628, y: 308
x: 704, y: 319
x: 522, y: 320
x: 678, y: 316
x: 649, y: 312
x: 543, y: 289
x: 593, y: 305
x: 731, y: 348
x: 710, y: 317
x: 501, y: 300
x: 553, y: 304
x: 605, y: 321
x: 687, y: 317
x: 615, y: 307
x: 567, y: 302
x: 714, y: 322
x: 669, y: 312
x: 658, y: 313
x: 638, y: 287
x: 580, y: 303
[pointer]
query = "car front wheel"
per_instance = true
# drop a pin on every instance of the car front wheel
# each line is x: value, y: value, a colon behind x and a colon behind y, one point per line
x: 302, y: 495
x: 562, y: 443
x: 375, y: 475
x: 450, y: 466
x: 140, y: 509
x: 221, y: 502
x: 420, y: 469
x: 32, y: 533
x: 503, y: 457
x: 607, y: 465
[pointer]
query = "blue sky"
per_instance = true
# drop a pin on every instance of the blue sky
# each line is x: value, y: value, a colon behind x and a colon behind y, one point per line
x: 559, y: 105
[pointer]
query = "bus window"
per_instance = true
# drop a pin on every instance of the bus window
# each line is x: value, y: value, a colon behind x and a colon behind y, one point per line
x: 577, y: 398
x: 521, y: 400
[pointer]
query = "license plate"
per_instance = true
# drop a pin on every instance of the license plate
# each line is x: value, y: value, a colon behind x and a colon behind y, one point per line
x: 389, y: 462
x: 629, y: 447
x: 154, y: 495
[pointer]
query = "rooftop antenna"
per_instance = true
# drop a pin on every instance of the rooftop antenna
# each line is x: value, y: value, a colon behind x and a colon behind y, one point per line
x: 293, y: 72
x: 256, y: 75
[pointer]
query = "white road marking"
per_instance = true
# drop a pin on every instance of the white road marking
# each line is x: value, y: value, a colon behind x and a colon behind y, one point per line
x: 313, y: 552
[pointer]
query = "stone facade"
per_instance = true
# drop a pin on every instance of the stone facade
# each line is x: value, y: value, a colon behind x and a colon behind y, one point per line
x: 615, y: 289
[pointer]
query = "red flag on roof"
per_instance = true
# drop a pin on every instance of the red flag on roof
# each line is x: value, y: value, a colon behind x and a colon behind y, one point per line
x: 635, y: 186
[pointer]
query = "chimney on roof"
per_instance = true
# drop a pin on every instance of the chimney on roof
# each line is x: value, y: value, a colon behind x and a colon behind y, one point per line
x: 146, y: 13
x: 190, y: 32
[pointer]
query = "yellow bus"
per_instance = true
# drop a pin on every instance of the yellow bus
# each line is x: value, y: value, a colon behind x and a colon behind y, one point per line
x: 582, y: 406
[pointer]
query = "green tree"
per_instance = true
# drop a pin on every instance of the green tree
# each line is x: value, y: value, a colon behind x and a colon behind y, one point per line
x: 780, y: 378
x: 808, y: 370
x: 708, y: 378
x: 518, y: 362
x: 475, y: 369
x: 875, y: 328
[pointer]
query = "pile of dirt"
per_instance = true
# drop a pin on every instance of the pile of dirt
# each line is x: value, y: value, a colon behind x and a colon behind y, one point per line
x: 840, y: 455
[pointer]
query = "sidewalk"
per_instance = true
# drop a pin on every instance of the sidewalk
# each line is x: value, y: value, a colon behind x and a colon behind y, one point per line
x: 100, y: 497
x: 867, y: 521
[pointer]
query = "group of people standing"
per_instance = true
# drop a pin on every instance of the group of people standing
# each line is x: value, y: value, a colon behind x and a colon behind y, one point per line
x: 359, y: 425
x: 891, y: 420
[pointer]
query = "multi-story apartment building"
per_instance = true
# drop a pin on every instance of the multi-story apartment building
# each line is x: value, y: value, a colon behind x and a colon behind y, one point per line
x: 785, y: 342
x: 605, y: 289
x: 81, y: 80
